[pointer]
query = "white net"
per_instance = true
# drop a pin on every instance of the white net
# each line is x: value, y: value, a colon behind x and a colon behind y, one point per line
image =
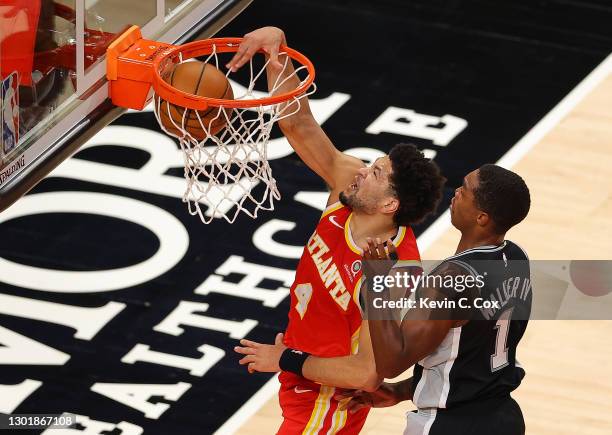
x: 225, y: 149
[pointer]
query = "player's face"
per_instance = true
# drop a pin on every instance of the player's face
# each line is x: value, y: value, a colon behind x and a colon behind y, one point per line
x: 463, y: 205
x: 370, y: 187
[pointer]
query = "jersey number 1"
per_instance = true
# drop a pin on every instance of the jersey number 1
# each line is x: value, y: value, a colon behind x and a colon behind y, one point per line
x: 499, y: 359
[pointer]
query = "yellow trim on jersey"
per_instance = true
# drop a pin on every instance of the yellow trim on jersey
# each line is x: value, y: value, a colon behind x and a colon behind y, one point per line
x: 339, y: 418
x: 399, y: 238
x: 349, y: 238
x: 355, y: 341
x: 356, y: 291
x: 332, y: 208
x: 317, y: 418
x: 407, y: 263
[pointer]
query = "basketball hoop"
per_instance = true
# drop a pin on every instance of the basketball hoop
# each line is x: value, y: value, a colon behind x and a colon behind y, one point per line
x: 223, y: 169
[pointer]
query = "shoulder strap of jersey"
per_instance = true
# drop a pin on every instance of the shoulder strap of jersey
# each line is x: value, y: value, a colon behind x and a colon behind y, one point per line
x: 407, y: 249
x: 478, y: 250
x: 332, y: 208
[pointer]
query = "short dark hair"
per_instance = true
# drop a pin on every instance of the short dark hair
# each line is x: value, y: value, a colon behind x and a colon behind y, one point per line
x: 417, y: 183
x: 502, y: 194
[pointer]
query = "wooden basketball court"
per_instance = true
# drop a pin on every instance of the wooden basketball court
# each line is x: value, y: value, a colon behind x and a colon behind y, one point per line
x: 566, y: 389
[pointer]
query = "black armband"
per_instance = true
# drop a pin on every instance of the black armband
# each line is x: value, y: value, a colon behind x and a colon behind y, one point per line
x: 292, y: 361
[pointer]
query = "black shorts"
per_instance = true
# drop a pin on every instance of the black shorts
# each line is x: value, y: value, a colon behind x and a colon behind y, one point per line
x: 499, y: 416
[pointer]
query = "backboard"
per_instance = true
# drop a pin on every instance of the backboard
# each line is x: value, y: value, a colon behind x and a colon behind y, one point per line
x: 53, y: 90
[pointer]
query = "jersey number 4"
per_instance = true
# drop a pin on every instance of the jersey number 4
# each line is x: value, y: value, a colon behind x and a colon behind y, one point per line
x: 303, y: 293
x: 499, y: 359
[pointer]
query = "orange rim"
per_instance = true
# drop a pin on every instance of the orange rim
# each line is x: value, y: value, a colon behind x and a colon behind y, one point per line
x: 223, y: 45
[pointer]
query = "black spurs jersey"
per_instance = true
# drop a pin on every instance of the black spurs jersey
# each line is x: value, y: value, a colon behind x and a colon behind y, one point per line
x: 478, y: 360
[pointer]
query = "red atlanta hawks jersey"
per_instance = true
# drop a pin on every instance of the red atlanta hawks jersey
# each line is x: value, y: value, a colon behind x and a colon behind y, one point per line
x: 325, y: 318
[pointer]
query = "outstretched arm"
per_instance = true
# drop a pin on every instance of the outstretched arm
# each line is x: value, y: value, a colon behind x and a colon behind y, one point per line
x: 356, y: 371
x: 301, y: 129
x: 353, y: 371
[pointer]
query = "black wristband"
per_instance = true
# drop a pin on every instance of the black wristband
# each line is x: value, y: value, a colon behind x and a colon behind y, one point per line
x: 292, y: 361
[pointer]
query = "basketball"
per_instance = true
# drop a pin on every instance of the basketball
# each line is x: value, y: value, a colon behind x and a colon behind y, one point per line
x: 204, y: 80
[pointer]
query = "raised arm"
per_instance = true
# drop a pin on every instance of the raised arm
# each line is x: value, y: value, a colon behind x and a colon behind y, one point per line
x: 302, y: 131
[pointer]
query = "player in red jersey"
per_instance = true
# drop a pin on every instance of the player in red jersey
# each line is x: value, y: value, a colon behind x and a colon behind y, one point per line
x: 379, y: 201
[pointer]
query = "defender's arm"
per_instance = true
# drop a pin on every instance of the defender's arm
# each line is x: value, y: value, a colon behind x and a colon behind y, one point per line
x: 396, y: 346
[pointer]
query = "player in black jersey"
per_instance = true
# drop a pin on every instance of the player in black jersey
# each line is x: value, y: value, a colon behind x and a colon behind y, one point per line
x: 465, y: 359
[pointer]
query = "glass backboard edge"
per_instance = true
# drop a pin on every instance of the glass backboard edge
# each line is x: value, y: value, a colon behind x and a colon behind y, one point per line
x: 25, y: 174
